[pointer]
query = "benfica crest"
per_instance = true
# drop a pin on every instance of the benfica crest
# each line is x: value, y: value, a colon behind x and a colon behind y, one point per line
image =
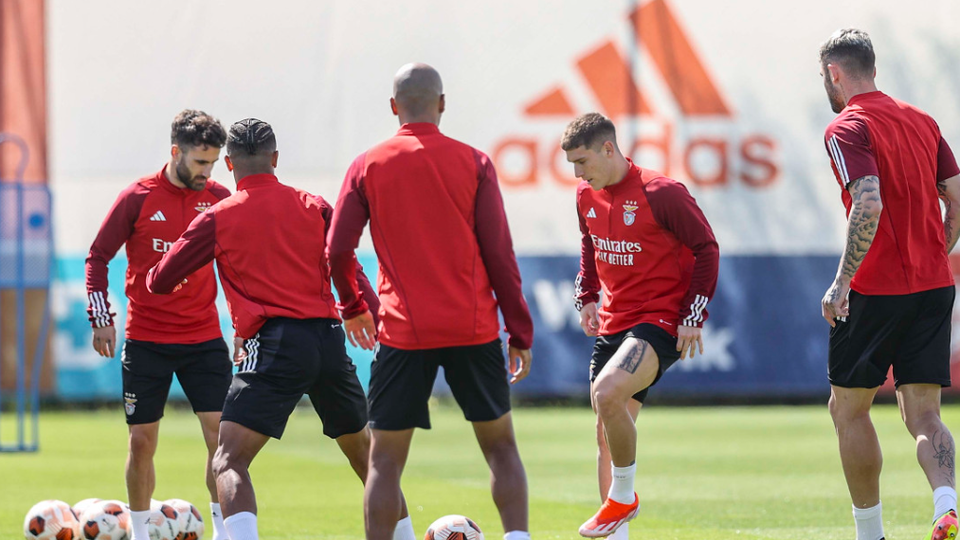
x: 629, y: 215
x: 202, y: 206
x: 129, y: 405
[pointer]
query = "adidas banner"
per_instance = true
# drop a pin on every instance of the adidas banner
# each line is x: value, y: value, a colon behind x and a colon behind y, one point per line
x: 724, y: 97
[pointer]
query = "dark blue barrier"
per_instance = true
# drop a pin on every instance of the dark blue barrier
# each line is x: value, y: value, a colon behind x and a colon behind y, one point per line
x: 764, y: 338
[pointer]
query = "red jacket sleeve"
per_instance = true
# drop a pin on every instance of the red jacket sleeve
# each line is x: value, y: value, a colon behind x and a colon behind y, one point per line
x: 848, y: 143
x: 587, y: 284
x: 946, y: 163
x: 114, y: 232
x: 496, y: 250
x: 349, y: 218
x: 363, y: 284
x: 195, y: 248
x: 676, y: 211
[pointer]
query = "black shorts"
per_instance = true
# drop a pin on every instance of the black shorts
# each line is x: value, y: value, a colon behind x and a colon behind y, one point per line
x: 287, y: 359
x: 911, y: 332
x: 203, y: 370
x: 662, y: 342
x: 401, y: 382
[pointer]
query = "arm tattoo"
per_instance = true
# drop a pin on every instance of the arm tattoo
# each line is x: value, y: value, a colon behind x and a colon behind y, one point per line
x: 943, y: 450
x: 862, y: 223
x: 631, y: 360
x: 950, y: 230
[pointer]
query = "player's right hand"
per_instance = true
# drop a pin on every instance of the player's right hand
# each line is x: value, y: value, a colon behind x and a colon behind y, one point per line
x: 519, y: 362
x: 360, y: 331
x: 105, y: 340
x: 588, y: 319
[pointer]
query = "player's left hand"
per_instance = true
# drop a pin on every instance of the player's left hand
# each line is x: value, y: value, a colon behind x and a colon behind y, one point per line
x: 689, y: 338
x: 360, y: 331
x: 239, y: 352
x: 179, y: 286
x: 519, y: 361
x: 834, y: 303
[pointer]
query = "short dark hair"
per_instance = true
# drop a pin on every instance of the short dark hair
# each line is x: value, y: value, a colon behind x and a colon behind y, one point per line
x: 197, y: 128
x: 251, y: 137
x: 589, y: 131
x: 852, y: 49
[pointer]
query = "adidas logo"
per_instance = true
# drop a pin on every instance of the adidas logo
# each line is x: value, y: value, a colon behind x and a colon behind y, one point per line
x: 686, y: 129
x: 158, y: 216
x: 591, y: 213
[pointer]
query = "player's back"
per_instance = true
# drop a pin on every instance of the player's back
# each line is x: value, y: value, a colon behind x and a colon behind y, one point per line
x: 421, y: 187
x: 909, y: 252
x: 270, y: 251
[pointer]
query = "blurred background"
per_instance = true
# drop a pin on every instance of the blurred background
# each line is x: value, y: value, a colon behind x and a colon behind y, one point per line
x: 723, y: 96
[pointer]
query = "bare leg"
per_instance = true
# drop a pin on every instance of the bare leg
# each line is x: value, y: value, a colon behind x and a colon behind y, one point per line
x: 632, y: 368
x: 231, y: 464
x: 140, y: 472
x: 603, y: 453
x: 859, y: 446
x: 382, y: 499
x: 356, y: 447
x: 508, y: 480
x: 210, y: 424
x: 920, y: 410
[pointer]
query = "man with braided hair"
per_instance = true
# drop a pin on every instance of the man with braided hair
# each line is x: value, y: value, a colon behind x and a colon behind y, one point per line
x: 268, y: 240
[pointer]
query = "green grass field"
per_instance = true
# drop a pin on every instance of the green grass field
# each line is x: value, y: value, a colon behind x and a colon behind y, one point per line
x: 719, y: 473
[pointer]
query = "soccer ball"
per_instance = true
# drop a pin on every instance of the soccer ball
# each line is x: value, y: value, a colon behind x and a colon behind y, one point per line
x: 51, y: 520
x: 163, y: 524
x: 105, y: 520
x: 81, y: 507
x: 191, y: 523
x: 453, y: 527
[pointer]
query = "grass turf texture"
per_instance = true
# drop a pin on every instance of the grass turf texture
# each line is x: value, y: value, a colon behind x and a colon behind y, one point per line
x: 703, y: 473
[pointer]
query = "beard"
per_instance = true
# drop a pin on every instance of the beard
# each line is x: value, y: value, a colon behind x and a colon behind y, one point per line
x: 196, y: 183
x: 833, y: 95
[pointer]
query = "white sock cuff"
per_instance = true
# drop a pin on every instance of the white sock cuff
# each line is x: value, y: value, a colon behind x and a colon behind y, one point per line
x: 944, y: 491
x: 404, y: 530
x: 517, y: 535
x: 629, y: 470
x: 215, y: 507
x: 140, y: 513
x: 867, y: 513
x: 240, y: 517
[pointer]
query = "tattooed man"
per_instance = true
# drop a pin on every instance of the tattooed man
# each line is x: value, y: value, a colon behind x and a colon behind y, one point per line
x: 646, y: 243
x: 892, y: 300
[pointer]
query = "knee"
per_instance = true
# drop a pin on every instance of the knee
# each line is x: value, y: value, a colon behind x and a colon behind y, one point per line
x: 606, y: 400
x: 142, y: 445
x: 844, y: 414
x: 224, y: 461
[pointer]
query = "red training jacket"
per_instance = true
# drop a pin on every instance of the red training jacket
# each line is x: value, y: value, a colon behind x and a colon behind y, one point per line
x: 442, y: 240
x: 148, y: 217
x: 648, y: 245
x: 268, y: 240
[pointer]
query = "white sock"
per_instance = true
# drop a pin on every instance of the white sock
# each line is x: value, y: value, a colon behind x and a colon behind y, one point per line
x: 869, y: 522
x: 242, y: 526
x: 138, y: 525
x: 621, y: 489
x: 944, y: 500
x: 517, y: 535
x: 622, y: 533
x: 404, y: 530
x: 216, y: 515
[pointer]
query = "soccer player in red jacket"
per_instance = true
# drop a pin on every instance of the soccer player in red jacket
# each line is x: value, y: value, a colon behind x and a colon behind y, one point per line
x: 438, y: 226
x: 646, y: 243
x: 164, y: 335
x: 268, y: 240
x: 892, y: 300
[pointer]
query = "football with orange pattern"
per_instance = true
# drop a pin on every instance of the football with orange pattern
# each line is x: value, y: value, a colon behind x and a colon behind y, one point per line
x: 453, y: 527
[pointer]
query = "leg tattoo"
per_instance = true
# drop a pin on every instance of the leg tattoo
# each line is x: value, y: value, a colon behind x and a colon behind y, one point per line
x: 633, y: 357
x: 944, y: 451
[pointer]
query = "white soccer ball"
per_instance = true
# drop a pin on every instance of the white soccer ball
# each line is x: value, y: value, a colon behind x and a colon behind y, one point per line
x: 51, y: 520
x: 81, y: 507
x: 453, y: 527
x: 105, y: 520
x: 191, y: 523
x: 163, y: 523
